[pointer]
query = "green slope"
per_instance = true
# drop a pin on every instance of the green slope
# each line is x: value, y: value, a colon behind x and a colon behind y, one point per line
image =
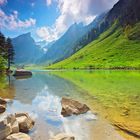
x: 116, y: 48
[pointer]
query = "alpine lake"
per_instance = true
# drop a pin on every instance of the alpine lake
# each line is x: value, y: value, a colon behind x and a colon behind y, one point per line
x: 112, y: 95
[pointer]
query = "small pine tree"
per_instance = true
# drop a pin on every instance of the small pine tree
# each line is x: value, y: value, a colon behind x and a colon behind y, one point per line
x: 10, y: 52
x: 2, y: 44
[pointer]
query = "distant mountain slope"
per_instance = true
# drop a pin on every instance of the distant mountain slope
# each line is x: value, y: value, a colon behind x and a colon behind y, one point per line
x: 74, y: 39
x: 26, y: 50
x: 126, y: 11
x: 108, y: 51
x: 118, y: 46
x: 64, y: 46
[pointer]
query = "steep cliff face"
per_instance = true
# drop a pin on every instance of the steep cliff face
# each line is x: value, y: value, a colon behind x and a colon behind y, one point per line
x: 26, y: 50
x: 126, y: 11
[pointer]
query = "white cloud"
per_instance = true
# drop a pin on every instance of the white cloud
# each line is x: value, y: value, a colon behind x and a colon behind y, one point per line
x: 48, y: 2
x: 47, y: 33
x: 12, y: 21
x: 3, y: 2
x: 72, y: 11
x: 32, y: 4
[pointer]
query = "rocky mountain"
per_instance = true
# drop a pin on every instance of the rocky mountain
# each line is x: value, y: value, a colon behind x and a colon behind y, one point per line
x: 73, y: 40
x: 26, y: 50
x: 116, y: 41
x: 30, y: 52
x: 126, y: 11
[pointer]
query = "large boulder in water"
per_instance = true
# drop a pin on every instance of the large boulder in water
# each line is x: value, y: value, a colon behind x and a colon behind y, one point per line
x: 24, y: 121
x: 18, y: 136
x: 5, y: 129
x: 8, y: 126
x: 62, y: 136
x: 22, y: 72
x: 72, y: 107
x: 11, y: 120
x: 13, y: 124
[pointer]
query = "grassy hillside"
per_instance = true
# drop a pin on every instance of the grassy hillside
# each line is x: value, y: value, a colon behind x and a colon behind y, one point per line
x: 2, y: 64
x: 116, y: 48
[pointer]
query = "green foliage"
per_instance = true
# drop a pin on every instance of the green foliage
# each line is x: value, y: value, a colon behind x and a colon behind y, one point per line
x: 6, y: 52
x: 112, y: 49
x: 2, y: 63
x: 10, y: 52
x: 127, y: 30
x: 135, y: 32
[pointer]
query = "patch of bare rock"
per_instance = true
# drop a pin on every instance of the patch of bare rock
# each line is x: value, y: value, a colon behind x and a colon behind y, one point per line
x: 14, y: 127
x: 72, y: 107
x: 22, y: 72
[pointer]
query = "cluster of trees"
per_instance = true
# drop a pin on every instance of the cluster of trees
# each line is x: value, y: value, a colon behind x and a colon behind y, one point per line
x: 6, y: 53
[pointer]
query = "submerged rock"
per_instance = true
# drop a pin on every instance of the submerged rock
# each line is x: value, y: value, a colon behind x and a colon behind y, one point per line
x: 22, y: 72
x: 2, y: 108
x: 130, y: 128
x: 24, y: 121
x: 18, y: 136
x: 62, y: 136
x: 72, y: 107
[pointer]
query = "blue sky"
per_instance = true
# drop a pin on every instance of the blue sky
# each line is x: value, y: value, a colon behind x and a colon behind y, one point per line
x: 47, y: 19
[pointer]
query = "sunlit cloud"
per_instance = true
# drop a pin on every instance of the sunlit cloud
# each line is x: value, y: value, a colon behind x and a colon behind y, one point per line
x: 32, y: 4
x: 48, y: 2
x: 73, y: 11
x: 2, y: 2
x: 47, y: 33
x: 12, y: 22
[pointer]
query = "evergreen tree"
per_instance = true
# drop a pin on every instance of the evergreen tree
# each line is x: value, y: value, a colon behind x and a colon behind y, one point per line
x: 10, y: 52
x: 6, y: 52
x: 2, y: 44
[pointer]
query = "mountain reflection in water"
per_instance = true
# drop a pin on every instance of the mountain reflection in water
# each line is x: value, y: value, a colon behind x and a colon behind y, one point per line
x: 102, y: 91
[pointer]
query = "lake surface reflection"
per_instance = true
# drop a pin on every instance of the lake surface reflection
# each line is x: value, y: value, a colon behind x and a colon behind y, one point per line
x: 40, y: 96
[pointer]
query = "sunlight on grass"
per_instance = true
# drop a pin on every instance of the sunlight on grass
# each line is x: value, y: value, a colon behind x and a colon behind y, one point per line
x: 113, y: 49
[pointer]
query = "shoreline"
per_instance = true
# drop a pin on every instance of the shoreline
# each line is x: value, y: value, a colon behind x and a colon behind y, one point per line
x: 92, y: 69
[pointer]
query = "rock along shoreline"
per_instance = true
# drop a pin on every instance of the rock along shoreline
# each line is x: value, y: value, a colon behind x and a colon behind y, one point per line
x: 16, y: 126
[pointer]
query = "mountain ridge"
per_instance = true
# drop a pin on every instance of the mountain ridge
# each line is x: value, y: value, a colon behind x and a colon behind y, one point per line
x: 26, y: 50
x: 73, y: 40
x: 113, y: 48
